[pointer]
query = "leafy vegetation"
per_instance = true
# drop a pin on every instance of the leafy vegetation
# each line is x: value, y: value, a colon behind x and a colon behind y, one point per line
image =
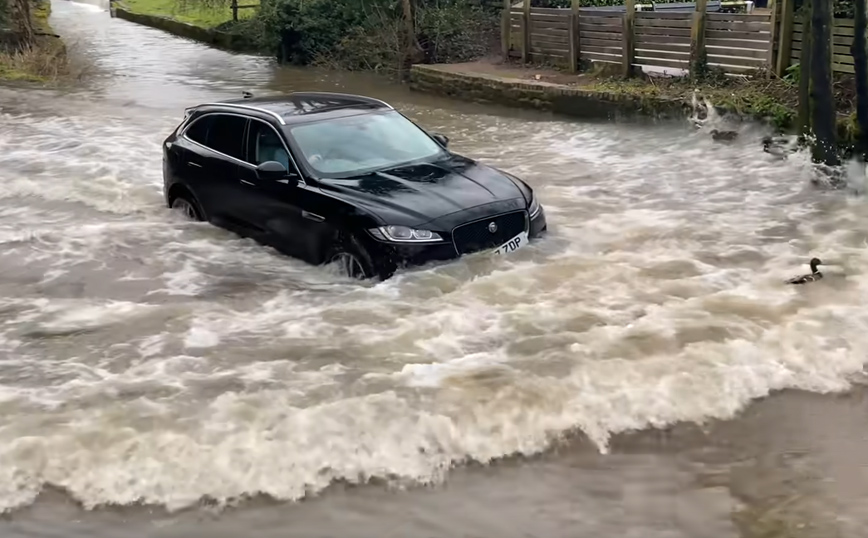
x: 41, y: 59
x: 204, y: 13
x: 369, y: 34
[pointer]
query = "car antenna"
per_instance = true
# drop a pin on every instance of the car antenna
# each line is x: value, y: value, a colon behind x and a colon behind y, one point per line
x: 247, y: 95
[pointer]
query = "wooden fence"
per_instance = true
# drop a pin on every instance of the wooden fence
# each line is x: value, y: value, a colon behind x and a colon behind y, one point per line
x: 842, y: 40
x: 739, y: 43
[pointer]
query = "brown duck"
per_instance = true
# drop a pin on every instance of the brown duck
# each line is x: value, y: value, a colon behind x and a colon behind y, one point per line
x: 723, y: 136
x: 804, y: 279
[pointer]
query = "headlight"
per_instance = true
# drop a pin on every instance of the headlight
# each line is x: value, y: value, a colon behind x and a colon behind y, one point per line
x: 533, y: 208
x: 403, y: 234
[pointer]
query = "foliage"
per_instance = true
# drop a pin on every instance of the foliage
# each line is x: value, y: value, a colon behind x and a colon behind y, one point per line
x: 367, y: 34
x: 840, y: 8
x: 592, y: 3
x: 204, y: 13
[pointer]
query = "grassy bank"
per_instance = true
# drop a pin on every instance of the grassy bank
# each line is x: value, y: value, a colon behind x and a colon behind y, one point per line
x: 45, y: 62
x: 204, y: 15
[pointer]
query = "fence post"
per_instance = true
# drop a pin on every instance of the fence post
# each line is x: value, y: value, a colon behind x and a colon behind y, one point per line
x: 698, y: 56
x: 525, y: 50
x: 785, y: 37
x: 575, y: 54
x: 506, y: 29
x: 234, y: 7
x: 773, y: 38
x: 629, y: 49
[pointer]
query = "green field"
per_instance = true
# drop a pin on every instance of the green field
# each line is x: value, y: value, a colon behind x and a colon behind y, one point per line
x: 190, y: 12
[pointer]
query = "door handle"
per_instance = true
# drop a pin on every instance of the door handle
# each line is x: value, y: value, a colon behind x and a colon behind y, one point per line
x: 245, y: 182
x: 194, y: 164
x: 312, y: 216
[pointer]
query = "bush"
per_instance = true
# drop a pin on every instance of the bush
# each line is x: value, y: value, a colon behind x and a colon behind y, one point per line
x: 368, y: 34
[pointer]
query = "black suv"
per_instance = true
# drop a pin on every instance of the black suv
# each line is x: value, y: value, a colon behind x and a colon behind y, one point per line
x: 327, y: 177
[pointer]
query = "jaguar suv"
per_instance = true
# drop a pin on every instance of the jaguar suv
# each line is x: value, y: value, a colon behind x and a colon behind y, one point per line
x: 342, y: 179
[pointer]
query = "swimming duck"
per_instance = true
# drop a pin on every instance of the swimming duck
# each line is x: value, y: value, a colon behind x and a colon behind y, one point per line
x: 815, y: 274
x: 723, y: 135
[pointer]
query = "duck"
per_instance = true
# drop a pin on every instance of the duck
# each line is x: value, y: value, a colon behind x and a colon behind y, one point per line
x: 723, y: 135
x: 814, y: 276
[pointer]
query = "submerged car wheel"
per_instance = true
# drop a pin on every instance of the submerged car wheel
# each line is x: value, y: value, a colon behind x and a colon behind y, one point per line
x: 352, y: 259
x: 186, y: 208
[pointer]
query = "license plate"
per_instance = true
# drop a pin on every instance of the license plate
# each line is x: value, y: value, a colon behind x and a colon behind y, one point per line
x: 513, y: 244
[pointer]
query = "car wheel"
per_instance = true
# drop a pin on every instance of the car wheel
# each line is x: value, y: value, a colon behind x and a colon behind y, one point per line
x: 186, y: 207
x: 352, y: 259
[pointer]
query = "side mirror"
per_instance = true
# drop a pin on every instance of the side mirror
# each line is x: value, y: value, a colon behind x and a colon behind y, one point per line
x: 271, y: 170
x: 441, y: 139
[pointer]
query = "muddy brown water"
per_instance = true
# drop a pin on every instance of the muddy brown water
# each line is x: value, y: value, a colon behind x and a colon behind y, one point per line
x: 162, y: 378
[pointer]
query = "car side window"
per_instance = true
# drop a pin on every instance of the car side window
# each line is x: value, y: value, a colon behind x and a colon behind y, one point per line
x: 198, y: 131
x: 226, y: 135
x: 264, y: 144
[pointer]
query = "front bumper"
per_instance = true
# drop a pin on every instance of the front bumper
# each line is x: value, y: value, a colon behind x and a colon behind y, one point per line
x: 391, y: 256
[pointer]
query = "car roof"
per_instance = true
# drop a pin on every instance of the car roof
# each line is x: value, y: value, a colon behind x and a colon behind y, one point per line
x: 298, y: 107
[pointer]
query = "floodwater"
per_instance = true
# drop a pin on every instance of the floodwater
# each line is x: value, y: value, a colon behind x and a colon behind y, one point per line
x: 168, y: 379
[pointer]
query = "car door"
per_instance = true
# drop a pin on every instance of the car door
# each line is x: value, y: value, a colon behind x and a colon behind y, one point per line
x: 281, y: 208
x: 226, y: 140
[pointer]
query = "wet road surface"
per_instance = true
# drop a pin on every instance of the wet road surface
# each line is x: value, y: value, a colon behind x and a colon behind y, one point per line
x: 144, y: 359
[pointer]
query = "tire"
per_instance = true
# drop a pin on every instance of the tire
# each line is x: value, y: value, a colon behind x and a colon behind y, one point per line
x: 352, y: 258
x: 187, y: 207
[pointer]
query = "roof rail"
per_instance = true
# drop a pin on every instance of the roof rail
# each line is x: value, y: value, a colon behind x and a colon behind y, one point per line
x: 359, y: 98
x: 275, y: 115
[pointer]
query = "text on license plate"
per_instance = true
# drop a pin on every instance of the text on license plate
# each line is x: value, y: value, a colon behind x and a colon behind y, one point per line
x: 513, y: 244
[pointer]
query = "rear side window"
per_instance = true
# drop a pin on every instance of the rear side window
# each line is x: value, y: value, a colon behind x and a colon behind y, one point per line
x: 220, y: 132
x: 198, y: 132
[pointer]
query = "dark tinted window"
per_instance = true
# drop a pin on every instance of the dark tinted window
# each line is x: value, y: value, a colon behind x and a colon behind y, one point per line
x: 198, y: 132
x: 226, y: 135
x: 220, y: 132
x: 266, y: 145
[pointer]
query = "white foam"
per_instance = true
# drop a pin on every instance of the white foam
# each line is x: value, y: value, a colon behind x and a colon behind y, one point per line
x: 656, y: 298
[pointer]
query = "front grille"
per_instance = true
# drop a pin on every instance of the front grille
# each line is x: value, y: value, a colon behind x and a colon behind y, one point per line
x: 476, y: 236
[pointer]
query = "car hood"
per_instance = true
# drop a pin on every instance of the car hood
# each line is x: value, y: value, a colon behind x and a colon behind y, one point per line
x: 416, y: 194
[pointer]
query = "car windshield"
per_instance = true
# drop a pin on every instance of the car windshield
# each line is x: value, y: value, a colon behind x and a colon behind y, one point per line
x: 354, y: 145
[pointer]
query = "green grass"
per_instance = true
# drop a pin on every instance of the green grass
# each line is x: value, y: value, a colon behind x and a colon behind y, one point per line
x: 190, y: 12
x: 43, y: 63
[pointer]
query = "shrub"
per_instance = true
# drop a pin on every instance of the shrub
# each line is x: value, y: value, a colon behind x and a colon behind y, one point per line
x: 368, y: 34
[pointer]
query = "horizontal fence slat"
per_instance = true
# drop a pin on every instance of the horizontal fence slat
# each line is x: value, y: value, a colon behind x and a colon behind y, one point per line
x: 601, y: 57
x: 560, y: 12
x: 560, y: 25
x: 534, y: 49
x: 740, y: 26
x: 658, y: 62
x: 600, y: 43
x: 664, y: 23
x: 659, y: 54
x: 741, y: 53
x: 687, y: 15
x: 842, y: 59
x: 643, y: 39
x: 535, y: 41
x: 602, y: 20
x: 611, y: 28
x: 650, y: 30
x: 554, y: 32
x: 536, y: 56
x: 739, y: 44
x: 735, y: 60
x: 736, y: 69
x: 844, y: 68
x: 600, y: 35
x: 729, y: 34
x: 604, y: 50
x: 746, y: 17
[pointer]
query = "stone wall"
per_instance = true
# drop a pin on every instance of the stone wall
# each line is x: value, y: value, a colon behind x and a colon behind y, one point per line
x: 216, y: 38
x: 572, y: 101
